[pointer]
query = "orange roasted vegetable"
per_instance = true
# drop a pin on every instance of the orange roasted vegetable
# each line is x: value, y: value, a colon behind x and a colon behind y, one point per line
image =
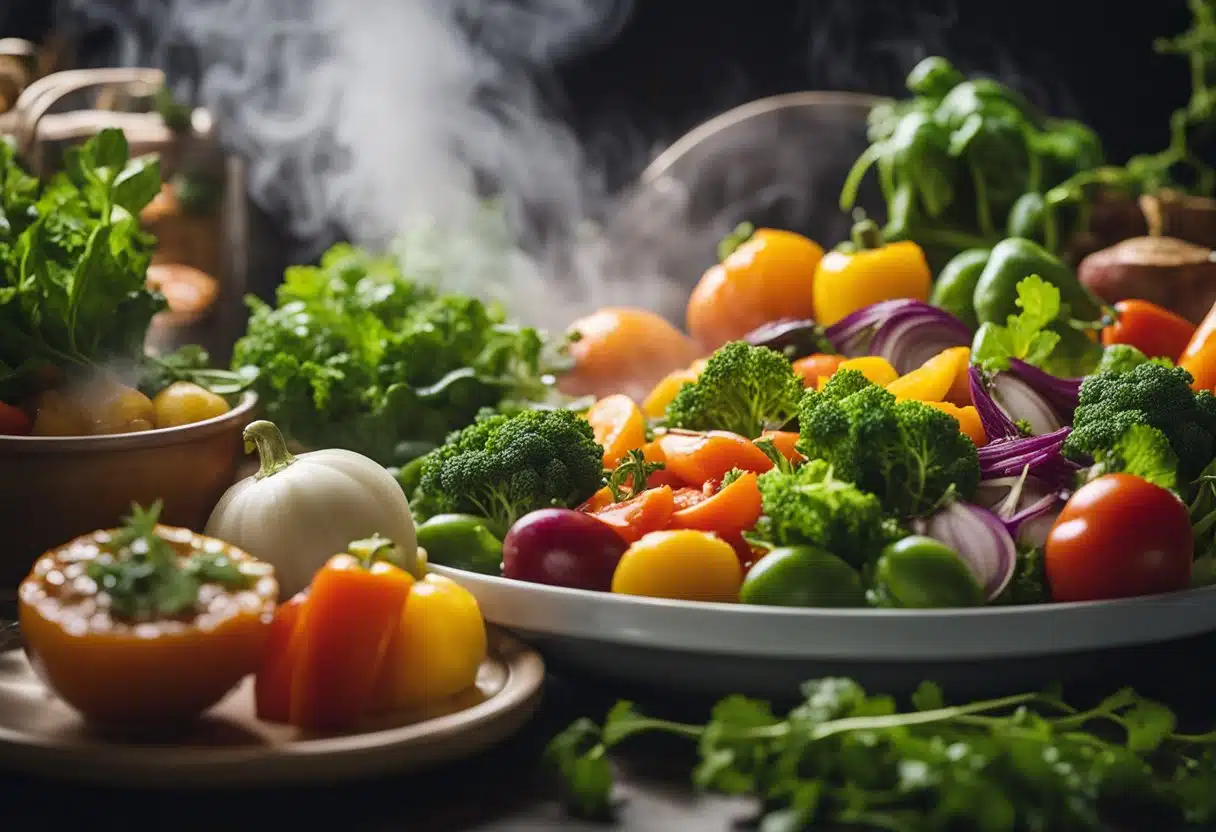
x: 785, y: 441
x: 960, y: 387
x: 700, y: 457
x: 646, y: 512
x: 872, y: 272
x: 734, y: 508
x: 146, y: 624
x: 619, y: 427
x: 818, y: 366
x: 968, y: 419
x: 1199, y: 357
x: 622, y: 350
x: 764, y: 274
x: 272, y: 686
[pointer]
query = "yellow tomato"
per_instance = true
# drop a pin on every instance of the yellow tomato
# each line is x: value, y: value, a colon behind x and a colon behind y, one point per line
x: 848, y: 281
x: 684, y: 565
x: 183, y: 403
x: 765, y: 277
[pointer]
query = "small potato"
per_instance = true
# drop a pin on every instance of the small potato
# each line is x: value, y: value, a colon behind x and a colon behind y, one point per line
x: 57, y: 414
x: 119, y: 409
x: 183, y: 403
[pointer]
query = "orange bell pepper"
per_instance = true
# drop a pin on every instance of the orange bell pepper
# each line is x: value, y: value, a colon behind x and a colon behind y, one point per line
x: 968, y: 419
x: 272, y: 685
x: 618, y: 425
x: 1155, y: 331
x: 960, y: 388
x: 733, y: 509
x: 353, y: 610
x: 646, y: 512
x: 814, y: 367
x: 700, y: 457
x: 1199, y: 357
x: 786, y: 442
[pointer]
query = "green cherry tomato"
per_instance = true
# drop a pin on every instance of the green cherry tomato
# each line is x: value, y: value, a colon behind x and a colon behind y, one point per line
x: 802, y: 576
x: 921, y: 573
x: 461, y: 541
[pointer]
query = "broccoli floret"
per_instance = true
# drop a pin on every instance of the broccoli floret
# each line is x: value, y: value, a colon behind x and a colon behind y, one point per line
x: 502, y: 467
x: 743, y: 389
x: 1144, y: 451
x: 1150, y: 394
x: 1120, y: 358
x: 908, y: 453
x: 810, y: 506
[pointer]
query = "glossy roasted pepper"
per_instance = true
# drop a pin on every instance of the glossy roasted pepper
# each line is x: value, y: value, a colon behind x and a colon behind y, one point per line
x: 1016, y: 258
x: 342, y: 639
x: 954, y: 289
x: 873, y: 272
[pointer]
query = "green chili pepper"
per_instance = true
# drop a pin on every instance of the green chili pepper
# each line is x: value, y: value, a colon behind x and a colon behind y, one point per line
x: 954, y: 290
x: 1028, y: 218
x: 802, y: 576
x: 933, y: 77
x: 921, y: 573
x: 462, y: 542
x: 1015, y: 258
x: 409, y: 475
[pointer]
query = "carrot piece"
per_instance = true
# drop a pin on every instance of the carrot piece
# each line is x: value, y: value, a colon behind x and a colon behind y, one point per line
x: 700, y: 457
x: 647, y: 512
x: 734, y: 508
x: 968, y: 419
x: 343, y: 635
x: 619, y: 427
x: 273, y: 682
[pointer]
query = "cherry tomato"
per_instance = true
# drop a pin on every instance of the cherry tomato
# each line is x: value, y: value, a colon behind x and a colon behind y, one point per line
x: 685, y: 565
x: 1118, y: 537
x: 1156, y: 332
x: 13, y: 421
x: 622, y: 350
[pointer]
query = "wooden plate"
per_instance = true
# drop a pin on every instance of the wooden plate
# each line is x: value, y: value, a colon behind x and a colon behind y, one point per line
x: 229, y: 747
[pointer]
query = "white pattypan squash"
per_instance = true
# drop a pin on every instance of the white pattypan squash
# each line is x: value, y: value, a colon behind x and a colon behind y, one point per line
x: 298, y: 511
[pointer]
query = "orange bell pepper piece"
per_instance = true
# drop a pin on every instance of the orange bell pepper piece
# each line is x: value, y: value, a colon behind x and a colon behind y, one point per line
x: 786, y: 442
x: 930, y: 382
x: 353, y: 610
x: 1199, y: 357
x: 273, y: 682
x: 960, y: 388
x: 700, y: 457
x: 814, y: 367
x: 733, y: 509
x: 618, y: 425
x: 968, y: 419
x: 641, y: 514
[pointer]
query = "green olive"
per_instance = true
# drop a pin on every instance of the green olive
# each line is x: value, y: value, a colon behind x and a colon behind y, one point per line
x: 461, y: 541
x: 802, y: 576
x: 922, y: 573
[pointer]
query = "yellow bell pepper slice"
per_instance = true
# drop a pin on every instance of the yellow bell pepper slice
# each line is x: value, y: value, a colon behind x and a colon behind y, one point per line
x: 931, y: 382
x: 877, y: 369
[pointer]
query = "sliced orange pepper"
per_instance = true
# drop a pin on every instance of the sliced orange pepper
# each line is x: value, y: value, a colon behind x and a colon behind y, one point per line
x: 619, y: 427
x: 733, y: 509
x: 1199, y: 357
x: 819, y: 365
x: 930, y: 382
x: 786, y: 442
x: 700, y: 457
x: 874, y: 367
x: 655, y: 403
x: 354, y: 608
x: 968, y: 419
x: 960, y: 387
x: 687, y: 497
x: 272, y: 685
x: 646, y: 512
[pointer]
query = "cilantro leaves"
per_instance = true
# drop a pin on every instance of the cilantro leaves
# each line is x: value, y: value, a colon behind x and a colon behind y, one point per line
x: 1024, y: 335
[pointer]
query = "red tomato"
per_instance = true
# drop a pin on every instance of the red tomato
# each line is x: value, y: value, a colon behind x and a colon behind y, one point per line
x: 13, y: 421
x: 1118, y: 537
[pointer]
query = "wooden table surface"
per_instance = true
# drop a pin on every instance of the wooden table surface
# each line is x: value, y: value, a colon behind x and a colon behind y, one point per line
x: 508, y: 789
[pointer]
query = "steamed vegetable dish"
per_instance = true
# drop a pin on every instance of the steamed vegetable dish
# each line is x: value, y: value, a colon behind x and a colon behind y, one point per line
x: 75, y: 304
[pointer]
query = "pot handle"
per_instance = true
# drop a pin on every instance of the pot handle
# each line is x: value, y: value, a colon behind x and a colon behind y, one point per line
x: 39, y: 97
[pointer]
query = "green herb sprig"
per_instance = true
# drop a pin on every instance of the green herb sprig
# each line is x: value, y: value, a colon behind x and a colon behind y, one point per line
x: 629, y: 477
x: 1013, y: 764
x: 146, y: 579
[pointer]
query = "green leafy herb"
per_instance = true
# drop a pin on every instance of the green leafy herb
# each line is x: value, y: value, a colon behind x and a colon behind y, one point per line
x: 780, y: 461
x: 1024, y: 335
x: 191, y: 363
x: 146, y: 579
x: 630, y: 475
x: 847, y: 759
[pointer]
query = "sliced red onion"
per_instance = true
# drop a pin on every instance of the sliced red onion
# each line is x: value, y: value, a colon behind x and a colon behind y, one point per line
x: 1031, y: 525
x: 997, y: 424
x: 1022, y: 403
x: 1008, y: 495
x: 1037, y: 455
x: 980, y: 538
x: 1062, y: 393
x: 905, y: 332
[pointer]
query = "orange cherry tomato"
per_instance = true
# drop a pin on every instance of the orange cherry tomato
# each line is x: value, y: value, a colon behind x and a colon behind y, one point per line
x: 345, y: 629
x: 700, y: 457
x: 734, y: 508
x: 1155, y: 331
x: 814, y: 367
x: 1117, y: 537
x: 786, y: 441
x: 619, y: 427
x: 272, y: 685
x: 767, y: 276
x: 639, y: 515
x: 622, y: 350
